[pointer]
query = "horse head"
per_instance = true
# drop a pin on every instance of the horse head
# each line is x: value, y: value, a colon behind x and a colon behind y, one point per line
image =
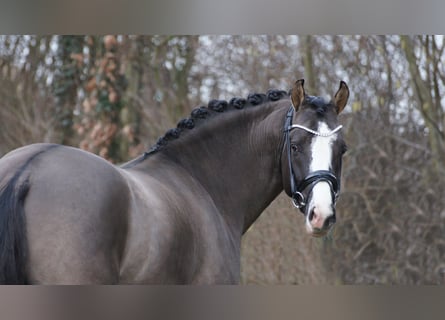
x: 312, y: 156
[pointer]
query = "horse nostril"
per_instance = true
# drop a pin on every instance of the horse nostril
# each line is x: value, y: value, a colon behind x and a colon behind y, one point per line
x: 329, y: 221
x: 311, y: 214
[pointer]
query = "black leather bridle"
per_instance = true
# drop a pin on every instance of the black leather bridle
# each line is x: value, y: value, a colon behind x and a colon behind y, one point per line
x: 297, y: 189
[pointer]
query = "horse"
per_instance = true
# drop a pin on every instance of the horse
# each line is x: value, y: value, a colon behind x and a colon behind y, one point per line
x: 176, y: 213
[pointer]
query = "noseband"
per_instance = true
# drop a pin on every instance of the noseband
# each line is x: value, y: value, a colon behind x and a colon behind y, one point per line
x: 312, y: 178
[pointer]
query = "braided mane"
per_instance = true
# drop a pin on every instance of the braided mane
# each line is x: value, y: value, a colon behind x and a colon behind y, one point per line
x: 214, y: 107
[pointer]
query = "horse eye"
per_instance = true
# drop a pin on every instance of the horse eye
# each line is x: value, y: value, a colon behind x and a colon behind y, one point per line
x: 344, y: 148
x: 295, y: 148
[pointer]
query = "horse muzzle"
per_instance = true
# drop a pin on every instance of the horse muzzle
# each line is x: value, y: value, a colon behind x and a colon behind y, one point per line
x: 320, y: 210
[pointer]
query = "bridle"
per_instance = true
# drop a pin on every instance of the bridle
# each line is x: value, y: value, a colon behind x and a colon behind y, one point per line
x: 298, y: 198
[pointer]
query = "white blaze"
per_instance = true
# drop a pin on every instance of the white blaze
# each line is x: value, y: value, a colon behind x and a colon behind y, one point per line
x: 321, y: 151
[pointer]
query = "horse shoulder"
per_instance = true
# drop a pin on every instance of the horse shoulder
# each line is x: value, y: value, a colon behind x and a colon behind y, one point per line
x: 176, y: 233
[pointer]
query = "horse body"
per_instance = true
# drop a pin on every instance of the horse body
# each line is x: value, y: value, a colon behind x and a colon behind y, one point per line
x: 173, y: 215
x: 170, y: 218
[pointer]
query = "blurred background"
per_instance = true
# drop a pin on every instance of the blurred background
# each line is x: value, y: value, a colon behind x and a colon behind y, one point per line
x: 115, y: 95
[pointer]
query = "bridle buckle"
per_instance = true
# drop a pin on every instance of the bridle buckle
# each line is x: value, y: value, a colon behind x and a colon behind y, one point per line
x: 298, y: 200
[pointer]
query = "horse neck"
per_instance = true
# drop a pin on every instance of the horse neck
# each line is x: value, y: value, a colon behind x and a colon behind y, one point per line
x: 236, y: 158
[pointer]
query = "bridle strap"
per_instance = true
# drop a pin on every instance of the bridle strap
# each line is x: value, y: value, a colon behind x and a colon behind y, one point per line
x: 287, y: 124
x: 320, y: 175
x: 316, y: 133
x: 298, y: 199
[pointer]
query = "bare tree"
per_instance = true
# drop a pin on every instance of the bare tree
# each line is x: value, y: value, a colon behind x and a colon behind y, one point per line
x: 27, y: 112
x: 424, y: 55
x: 114, y: 95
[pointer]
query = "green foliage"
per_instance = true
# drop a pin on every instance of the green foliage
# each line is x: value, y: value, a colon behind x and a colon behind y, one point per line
x: 66, y: 76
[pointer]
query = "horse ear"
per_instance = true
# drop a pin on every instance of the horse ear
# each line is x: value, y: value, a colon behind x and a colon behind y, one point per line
x: 341, y: 97
x: 297, y: 94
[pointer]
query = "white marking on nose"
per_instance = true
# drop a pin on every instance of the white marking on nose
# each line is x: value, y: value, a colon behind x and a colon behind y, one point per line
x: 321, y: 202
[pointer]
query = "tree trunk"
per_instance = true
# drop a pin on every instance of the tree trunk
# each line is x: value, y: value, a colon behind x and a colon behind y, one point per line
x: 429, y: 105
x: 309, y: 76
